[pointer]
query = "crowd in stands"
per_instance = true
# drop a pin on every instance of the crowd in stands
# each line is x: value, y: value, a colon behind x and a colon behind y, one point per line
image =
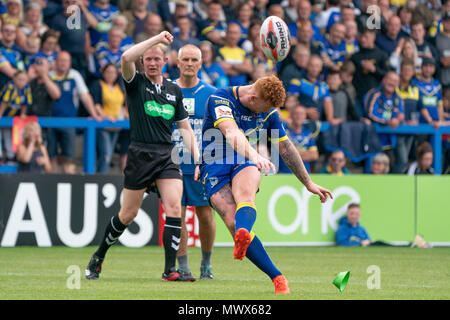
x: 366, y: 61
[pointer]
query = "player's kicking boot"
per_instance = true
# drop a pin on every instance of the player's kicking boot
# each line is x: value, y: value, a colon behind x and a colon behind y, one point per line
x: 242, y: 240
x: 94, y: 268
x: 281, y: 285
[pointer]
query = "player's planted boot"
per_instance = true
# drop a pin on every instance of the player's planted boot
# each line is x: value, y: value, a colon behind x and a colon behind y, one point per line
x: 94, y: 268
x: 242, y: 240
x: 172, y: 275
x: 206, y: 273
x: 185, y: 276
x: 281, y: 285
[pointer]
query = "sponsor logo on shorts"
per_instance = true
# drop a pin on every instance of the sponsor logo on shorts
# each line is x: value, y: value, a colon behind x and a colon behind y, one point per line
x: 213, y: 181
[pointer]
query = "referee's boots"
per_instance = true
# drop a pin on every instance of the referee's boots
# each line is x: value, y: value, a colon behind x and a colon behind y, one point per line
x: 94, y: 268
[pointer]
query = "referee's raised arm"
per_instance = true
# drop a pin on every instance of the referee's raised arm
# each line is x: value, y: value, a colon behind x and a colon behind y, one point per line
x: 130, y: 56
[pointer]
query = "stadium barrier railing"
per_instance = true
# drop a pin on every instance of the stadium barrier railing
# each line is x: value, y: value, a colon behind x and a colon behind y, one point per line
x: 90, y: 126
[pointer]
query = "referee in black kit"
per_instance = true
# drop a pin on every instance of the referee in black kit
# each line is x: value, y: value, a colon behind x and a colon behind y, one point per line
x: 154, y: 103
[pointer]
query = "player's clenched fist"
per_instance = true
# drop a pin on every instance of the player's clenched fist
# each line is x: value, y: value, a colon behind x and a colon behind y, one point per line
x: 165, y: 37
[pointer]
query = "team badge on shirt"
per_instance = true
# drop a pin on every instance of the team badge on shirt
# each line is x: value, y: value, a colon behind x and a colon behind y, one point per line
x: 223, y: 112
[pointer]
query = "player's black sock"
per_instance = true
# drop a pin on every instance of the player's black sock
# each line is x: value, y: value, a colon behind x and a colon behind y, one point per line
x: 113, y: 231
x: 171, y: 241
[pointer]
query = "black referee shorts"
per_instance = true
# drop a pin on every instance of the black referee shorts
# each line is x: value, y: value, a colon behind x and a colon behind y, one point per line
x: 148, y: 162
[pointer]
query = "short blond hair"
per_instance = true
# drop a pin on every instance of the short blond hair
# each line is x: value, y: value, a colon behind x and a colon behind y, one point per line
x: 164, y: 49
x: 383, y: 159
x: 271, y: 90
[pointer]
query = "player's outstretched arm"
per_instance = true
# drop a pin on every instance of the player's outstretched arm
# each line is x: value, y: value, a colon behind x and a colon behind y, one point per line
x: 292, y: 158
x: 130, y: 56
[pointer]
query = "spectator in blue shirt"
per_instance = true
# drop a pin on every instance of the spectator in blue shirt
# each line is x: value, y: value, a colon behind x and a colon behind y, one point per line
x: 388, y: 41
x: 350, y: 231
x: 334, y: 48
x: 350, y: 38
x: 211, y: 72
x: 48, y: 49
x: 385, y: 107
x: 212, y: 28
x: 313, y: 93
x: 110, y: 54
x: 11, y: 56
x: 304, y: 18
x: 328, y: 17
x: 410, y: 96
x: 99, y: 16
x: 430, y: 99
x: 73, y: 89
x: 302, y: 138
x: 184, y: 35
x: 244, y: 13
x: 119, y: 22
x: 14, y: 100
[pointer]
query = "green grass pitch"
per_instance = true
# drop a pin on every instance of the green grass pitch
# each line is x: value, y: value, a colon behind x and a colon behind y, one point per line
x: 128, y: 273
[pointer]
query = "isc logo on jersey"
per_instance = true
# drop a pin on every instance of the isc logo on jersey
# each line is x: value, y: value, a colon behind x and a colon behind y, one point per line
x: 223, y: 112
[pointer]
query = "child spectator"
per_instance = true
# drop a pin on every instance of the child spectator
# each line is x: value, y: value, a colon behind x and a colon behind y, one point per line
x: 32, y: 155
x: 343, y: 110
x: 347, y: 71
x: 350, y: 232
x: 32, y: 48
x: 14, y: 100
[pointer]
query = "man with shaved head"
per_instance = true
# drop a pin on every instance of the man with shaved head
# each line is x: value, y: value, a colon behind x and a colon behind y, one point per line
x: 195, y: 93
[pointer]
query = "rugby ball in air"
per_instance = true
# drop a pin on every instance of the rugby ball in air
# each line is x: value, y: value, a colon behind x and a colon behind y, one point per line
x: 275, y: 38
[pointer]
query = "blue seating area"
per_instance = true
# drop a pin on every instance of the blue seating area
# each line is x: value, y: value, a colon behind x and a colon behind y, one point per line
x: 90, y: 126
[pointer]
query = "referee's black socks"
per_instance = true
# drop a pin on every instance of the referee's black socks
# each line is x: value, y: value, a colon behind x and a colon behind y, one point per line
x: 113, y: 231
x: 171, y: 241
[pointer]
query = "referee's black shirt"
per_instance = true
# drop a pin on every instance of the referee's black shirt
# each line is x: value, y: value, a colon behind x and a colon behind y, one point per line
x: 153, y: 108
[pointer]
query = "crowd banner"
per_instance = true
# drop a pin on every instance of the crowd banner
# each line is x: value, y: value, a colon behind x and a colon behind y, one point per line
x: 288, y: 214
x: 73, y: 210
x: 69, y: 210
